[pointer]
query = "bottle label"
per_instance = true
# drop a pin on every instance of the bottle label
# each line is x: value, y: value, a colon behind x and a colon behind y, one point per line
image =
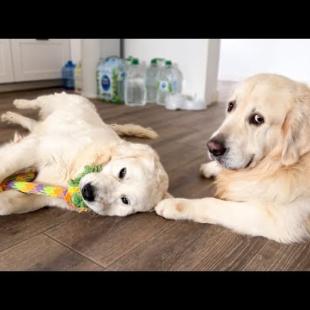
x: 121, y: 76
x: 105, y: 83
x: 115, y: 81
x: 165, y: 86
x: 110, y: 80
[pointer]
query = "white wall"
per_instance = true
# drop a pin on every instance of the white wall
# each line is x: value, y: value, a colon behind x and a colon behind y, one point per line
x: 240, y: 58
x: 189, y: 54
x: 75, y: 49
x: 110, y: 47
x: 91, y: 51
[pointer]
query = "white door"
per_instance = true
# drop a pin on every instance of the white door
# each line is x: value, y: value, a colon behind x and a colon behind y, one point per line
x: 6, y: 70
x: 35, y: 59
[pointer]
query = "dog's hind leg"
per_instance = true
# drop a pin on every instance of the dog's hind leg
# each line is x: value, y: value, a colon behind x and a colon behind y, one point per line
x: 15, y: 118
x: 46, y: 104
x: 27, y: 104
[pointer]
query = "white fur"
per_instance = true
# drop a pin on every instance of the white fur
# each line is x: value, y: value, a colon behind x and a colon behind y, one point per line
x: 210, y: 170
x: 271, y: 196
x: 69, y: 136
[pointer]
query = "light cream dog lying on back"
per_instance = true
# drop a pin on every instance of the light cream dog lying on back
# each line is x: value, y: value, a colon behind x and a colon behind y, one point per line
x: 261, y: 156
x: 69, y: 136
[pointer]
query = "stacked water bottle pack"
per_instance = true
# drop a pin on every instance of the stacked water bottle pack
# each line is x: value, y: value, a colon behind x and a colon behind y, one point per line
x: 135, y: 91
x: 132, y: 82
x: 169, y: 82
x: 110, y: 79
x: 141, y: 83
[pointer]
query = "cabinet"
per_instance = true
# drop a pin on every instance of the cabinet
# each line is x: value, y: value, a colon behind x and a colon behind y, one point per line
x: 6, y: 68
x: 32, y: 59
x: 39, y: 59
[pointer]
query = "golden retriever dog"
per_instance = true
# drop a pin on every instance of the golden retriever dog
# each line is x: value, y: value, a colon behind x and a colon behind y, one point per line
x: 70, y: 135
x: 261, y: 161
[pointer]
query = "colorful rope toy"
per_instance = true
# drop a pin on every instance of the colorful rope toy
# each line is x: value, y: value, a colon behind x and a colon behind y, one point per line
x: 22, y: 182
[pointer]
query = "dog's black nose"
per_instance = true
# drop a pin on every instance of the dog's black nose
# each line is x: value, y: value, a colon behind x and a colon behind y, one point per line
x: 216, y: 147
x: 88, y: 192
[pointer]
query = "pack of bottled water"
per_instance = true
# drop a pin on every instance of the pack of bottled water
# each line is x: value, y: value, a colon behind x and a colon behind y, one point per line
x: 164, y: 85
x: 169, y: 82
x: 111, y: 79
x: 135, y: 89
x: 132, y: 82
x: 151, y: 79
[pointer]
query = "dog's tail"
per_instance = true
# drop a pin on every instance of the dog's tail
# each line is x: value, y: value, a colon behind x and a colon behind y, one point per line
x: 132, y: 130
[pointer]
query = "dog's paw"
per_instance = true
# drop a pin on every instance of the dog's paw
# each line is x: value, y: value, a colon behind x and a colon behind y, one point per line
x: 8, y: 117
x: 172, y: 208
x: 210, y: 170
x: 20, y: 103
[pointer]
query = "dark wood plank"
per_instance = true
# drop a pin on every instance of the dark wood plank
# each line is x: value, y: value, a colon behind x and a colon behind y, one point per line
x: 162, y: 251
x: 17, y: 228
x: 280, y: 257
x: 189, y: 246
x: 105, y: 239
x: 228, y: 252
x: 43, y: 253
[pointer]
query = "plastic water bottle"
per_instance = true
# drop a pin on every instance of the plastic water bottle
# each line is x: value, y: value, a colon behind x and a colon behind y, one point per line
x: 151, y: 81
x: 110, y: 79
x: 127, y: 64
x: 178, y: 80
x: 68, y: 75
x: 135, y: 91
x: 169, y: 82
x: 78, y: 78
x: 103, y: 81
x: 160, y: 62
x: 121, y: 82
x: 165, y: 80
x: 128, y: 60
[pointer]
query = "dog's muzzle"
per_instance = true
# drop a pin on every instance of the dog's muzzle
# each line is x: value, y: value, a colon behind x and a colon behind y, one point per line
x: 216, y: 147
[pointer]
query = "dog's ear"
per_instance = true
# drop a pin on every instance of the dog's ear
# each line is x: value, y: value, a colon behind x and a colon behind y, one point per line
x: 91, y: 155
x: 296, y: 128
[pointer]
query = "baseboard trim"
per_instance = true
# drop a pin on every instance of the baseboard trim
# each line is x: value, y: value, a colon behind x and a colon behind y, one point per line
x: 10, y: 87
x: 213, y: 98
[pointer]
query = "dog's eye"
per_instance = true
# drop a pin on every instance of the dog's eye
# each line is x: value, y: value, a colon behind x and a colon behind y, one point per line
x: 122, y: 173
x: 231, y: 106
x: 256, y: 119
x: 125, y: 200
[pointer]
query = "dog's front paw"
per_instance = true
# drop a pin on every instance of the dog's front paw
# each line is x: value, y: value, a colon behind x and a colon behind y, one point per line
x: 8, y: 117
x: 210, y: 170
x: 172, y: 208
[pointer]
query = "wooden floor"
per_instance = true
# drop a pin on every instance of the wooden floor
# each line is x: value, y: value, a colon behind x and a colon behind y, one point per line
x: 53, y: 239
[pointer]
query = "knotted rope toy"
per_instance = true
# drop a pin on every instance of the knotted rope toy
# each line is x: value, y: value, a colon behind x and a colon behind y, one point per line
x: 23, y: 182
